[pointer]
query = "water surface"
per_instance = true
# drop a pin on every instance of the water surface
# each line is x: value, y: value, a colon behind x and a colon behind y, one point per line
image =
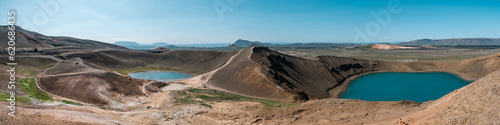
x: 395, y: 86
x: 160, y: 75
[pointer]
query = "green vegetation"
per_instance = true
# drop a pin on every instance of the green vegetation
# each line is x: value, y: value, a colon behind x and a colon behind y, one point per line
x: 29, y: 72
x: 32, y: 71
x: 72, y: 103
x: 139, y: 69
x: 207, y: 105
x: 5, y: 96
x: 183, y: 97
x: 201, y: 96
x: 29, y: 86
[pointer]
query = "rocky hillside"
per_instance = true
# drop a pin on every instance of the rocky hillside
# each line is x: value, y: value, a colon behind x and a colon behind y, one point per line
x: 264, y: 73
x: 74, y: 79
x: 458, y: 41
x: 261, y: 72
x: 476, y: 103
x: 257, y: 72
x: 29, y: 40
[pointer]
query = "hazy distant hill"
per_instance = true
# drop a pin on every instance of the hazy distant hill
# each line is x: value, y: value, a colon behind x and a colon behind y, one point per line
x: 135, y: 45
x: 160, y: 44
x: 310, y: 45
x: 457, y: 41
x: 29, y: 39
x: 126, y: 43
x: 247, y: 43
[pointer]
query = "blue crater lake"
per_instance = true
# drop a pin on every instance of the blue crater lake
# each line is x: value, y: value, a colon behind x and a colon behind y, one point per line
x: 396, y: 86
x: 160, y: 75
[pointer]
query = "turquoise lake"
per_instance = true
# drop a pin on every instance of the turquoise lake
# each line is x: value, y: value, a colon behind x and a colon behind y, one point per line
x: 396, y: 86
x: 160, y: 75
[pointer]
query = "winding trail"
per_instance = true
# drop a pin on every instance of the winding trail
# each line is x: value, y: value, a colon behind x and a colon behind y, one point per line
x: 193, y: 82
x: 54, y: 96
x: 205, y: 78
x: 43, y: 74
x: 144, y: 88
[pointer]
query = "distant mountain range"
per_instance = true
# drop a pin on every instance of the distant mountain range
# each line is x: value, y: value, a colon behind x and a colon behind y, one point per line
x: 247, y: 43
x: 28, y: 39
x: 135, y: 45
x: 455, y: 41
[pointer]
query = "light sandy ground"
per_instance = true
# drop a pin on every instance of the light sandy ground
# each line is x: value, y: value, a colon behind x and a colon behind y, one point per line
x: 385, y: 46
x: 324, y: 111
x: 477, y: 101
x: 174, y: 87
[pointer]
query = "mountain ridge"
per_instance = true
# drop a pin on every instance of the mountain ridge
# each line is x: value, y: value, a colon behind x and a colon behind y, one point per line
x: 30, y: 39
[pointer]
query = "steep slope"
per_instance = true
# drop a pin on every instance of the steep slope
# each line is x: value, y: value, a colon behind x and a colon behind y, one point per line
x: 261, y: 72
x: 476, y: 103
x: 246, y: 77
x: 73, y: 79
x: 257, y: 72
x: 28, y: 39
x: 27, y: 66
x: 264, y: 73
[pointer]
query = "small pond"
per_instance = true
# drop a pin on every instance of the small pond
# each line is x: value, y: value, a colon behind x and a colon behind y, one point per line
x: 160, y: 75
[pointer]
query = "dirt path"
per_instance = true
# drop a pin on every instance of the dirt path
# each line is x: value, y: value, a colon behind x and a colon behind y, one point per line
x: 56, y: 97
x: 144, y: 88
x: 205, y: 78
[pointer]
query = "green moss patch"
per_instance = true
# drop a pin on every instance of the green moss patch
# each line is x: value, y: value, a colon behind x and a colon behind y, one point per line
x: 19, y: 99
x: 29, y: 86
x: 72, y: 103
x: 204, y: 96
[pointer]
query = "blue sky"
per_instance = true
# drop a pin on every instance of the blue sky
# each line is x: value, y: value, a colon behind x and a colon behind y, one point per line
x: 197, y: 21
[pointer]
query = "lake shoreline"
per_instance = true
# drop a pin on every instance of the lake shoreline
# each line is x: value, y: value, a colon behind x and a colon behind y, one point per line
x: 337, y: 91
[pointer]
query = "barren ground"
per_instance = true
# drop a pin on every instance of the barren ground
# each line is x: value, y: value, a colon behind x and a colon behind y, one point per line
x: 477, y: 103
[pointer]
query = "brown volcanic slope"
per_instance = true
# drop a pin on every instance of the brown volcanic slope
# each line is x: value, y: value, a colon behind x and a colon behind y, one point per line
x: 254, y: 72
x: 477, y: 103
x: 85, y: 77
x: 261, y: 72
x: 28, y: 39
x: 186, y: 61
x: 73, y: 79
x: 30, y: 65
x: 264, y: 73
